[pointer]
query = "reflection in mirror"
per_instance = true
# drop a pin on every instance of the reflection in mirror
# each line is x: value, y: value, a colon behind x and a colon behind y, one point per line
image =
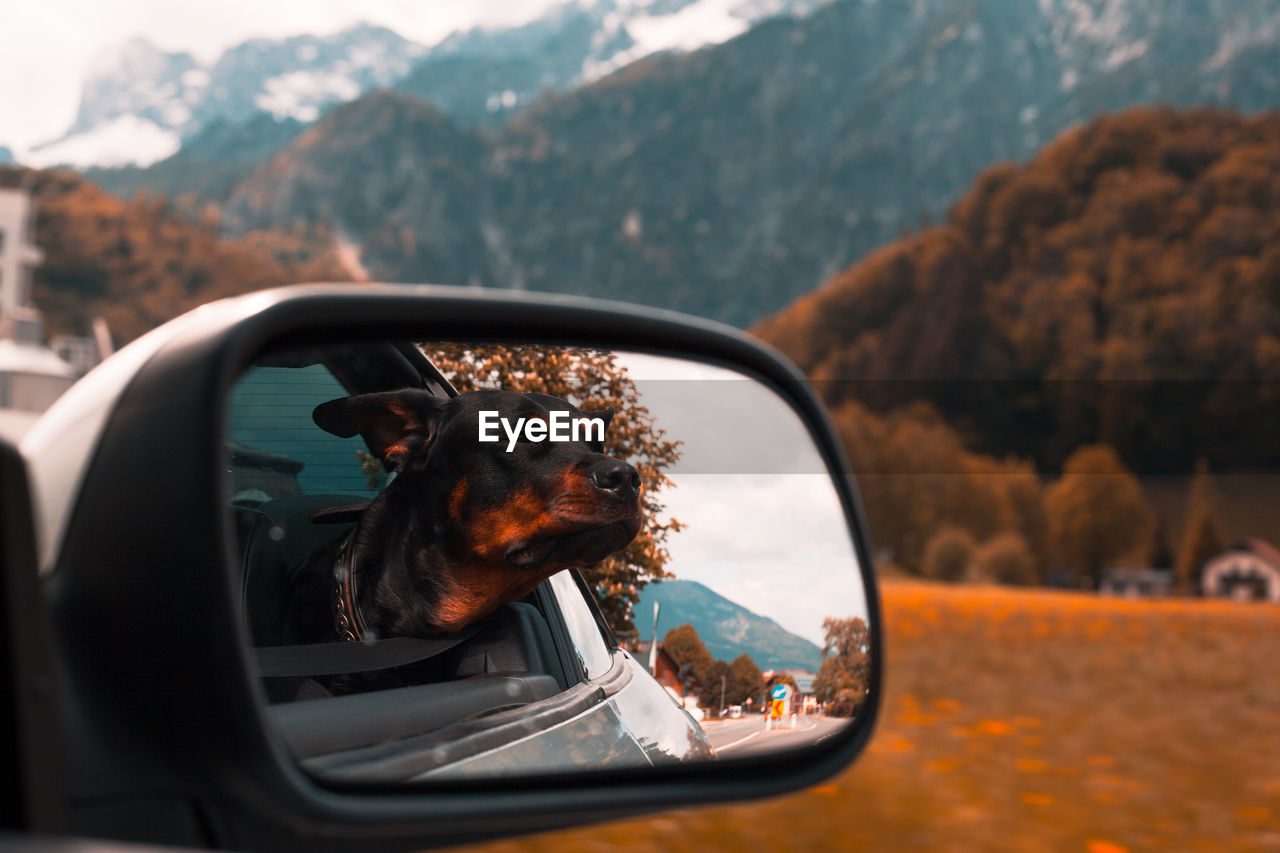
x: 585, y: 560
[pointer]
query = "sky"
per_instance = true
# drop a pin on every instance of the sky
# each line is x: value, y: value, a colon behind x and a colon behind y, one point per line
x: 46, y: 48
x: 764, y: 525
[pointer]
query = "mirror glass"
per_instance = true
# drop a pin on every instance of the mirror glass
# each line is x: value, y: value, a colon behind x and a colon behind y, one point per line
x: 586, y: 559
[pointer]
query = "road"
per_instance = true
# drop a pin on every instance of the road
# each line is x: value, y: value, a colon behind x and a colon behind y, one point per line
x: 748, y: 734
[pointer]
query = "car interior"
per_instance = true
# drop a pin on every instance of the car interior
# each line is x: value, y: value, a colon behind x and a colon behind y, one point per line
x: 469, y: 697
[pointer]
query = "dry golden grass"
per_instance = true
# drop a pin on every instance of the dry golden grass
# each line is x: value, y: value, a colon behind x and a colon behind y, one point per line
x: 1032, y: 721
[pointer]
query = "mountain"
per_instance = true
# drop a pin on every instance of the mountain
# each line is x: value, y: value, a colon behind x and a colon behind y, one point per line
x: 727, y: 181
x: 725, y: 628
x: 140, y: 102
x: 483, y: 76
x: 398, y: 176
x: 6, y: 155
x: 210, y: 164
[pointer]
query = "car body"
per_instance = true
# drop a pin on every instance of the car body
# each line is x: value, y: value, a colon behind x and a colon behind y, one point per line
x: 136, y: 655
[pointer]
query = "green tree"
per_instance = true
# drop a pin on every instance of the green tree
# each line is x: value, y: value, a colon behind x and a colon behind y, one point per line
x: 592, y: 380
x: 743, y: 680
x: 1097, y: 512
x: 1202, y: 535
x: 845, y: 673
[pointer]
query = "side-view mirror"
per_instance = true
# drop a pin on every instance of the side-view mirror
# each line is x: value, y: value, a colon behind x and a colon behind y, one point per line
x: 367, y: 567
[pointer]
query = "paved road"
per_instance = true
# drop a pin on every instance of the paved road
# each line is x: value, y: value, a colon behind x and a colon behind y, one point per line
x: 748, y: 734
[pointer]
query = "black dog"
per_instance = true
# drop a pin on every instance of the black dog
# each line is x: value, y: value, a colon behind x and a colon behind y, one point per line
x: 465, y: 525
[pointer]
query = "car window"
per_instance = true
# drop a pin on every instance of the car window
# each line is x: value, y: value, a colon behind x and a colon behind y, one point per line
x: 588, y: 643
x: 276, y: 450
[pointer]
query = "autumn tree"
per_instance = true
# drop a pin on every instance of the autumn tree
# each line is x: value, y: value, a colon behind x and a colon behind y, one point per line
x: 717, y: 681
x: 1202, y: 532
x: 1097, y: 512
x: 948, y: 555
x: 687, y: 649
x: 743, y: 680
x: 592, y: 380
x: 918, y: 480
x: 782, y: 678
x: 1005, y: 559
x: 845, y: 673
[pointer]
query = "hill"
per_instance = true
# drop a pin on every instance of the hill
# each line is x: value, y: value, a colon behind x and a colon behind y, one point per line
x: 726, y: 629
x: 1121, y: 287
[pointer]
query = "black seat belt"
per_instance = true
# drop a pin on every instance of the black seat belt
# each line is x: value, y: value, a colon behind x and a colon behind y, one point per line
x: 342, y: 658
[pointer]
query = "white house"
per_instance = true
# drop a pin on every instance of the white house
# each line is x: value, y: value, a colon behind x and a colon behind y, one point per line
x: 31, y: 375
x: 1247, y: 571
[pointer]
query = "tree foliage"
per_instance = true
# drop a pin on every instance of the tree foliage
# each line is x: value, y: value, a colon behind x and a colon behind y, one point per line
x: 743, y: 680
x: 687, y: 649
x: 1144, y: 246
x: 949, y: 554
x: 1202, y: 531
x: 1097, y: 512
x: 1005, y: 559
x: 141, y: 262
x: 592, y: 380
x: 845, y: 673
x: 917, y: 479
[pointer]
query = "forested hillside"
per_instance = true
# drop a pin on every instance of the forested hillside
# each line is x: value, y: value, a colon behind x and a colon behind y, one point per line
x: 1122, y: 287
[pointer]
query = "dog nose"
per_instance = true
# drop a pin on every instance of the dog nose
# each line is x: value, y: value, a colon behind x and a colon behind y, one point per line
x: 616, y: 478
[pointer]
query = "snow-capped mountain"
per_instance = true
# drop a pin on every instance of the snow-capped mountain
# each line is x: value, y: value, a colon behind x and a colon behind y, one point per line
x: 726, y: 181
x: 140, y: 103
x: 481, y: 76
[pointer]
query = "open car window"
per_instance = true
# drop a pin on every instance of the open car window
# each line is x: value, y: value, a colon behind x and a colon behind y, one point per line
x: 539, y: 667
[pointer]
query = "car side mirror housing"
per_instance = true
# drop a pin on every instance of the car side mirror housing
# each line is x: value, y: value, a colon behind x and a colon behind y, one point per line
x: 145, y: 475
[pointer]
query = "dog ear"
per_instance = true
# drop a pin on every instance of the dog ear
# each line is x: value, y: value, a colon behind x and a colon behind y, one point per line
x: 396, y: 425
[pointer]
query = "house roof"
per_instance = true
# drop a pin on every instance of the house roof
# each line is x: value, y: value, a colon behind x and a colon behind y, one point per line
x: 1260, y: 548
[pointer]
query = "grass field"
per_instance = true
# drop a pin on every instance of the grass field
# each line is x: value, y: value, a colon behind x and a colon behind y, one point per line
x: 1032, y: 721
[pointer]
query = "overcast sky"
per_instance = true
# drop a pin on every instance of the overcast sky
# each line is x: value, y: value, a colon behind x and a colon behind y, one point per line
x: 46, y: 47
x: 765, y: 525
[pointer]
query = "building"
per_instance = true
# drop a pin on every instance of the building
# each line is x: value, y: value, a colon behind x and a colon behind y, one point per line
x: 31, y: 375
x: 1247, y: 571
x: 1137, y: 583
x: 681, y: 682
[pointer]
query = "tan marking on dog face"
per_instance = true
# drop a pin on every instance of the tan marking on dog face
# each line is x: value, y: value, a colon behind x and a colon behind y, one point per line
x: 522, y: 516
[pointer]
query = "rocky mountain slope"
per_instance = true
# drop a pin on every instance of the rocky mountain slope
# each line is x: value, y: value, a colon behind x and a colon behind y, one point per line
x: 140, y: 102
x: 728, y: 181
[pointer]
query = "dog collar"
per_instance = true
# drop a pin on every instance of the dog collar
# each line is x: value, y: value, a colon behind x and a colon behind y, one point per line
x: 346, y: 616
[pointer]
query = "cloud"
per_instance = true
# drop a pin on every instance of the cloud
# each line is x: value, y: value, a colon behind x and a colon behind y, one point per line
x: 41, y: 71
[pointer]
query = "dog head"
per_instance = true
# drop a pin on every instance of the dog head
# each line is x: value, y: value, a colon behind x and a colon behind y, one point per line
x: 510, y: 488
